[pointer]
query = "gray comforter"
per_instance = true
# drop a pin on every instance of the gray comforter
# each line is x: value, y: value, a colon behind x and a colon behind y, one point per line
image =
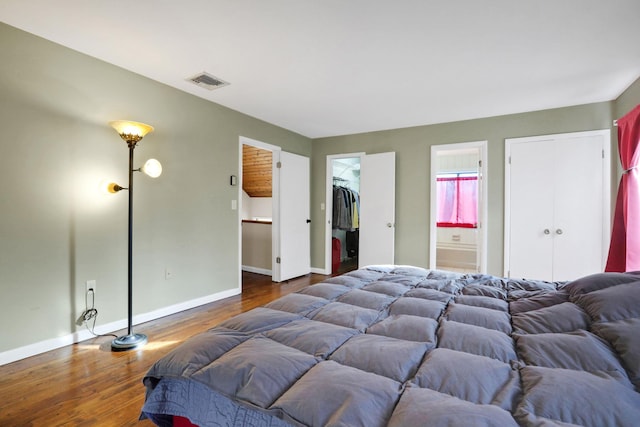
x: 405, y: 346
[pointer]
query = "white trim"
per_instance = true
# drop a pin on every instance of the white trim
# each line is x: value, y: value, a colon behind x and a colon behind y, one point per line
x: 329, y: 205
x: 78, y: 336
x: 483, y: 199
x: 256, y: 270
x: 320, y: 271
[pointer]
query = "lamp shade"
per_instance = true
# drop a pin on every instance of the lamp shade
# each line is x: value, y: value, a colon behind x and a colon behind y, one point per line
x: 131, y: 130
x: 152, y: 168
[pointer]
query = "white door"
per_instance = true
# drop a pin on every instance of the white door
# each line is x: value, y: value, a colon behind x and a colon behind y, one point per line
x: 531, y: 199
x: 294, y: 223
x: 377, y: 209
x: 556, y: 215
x: 577, y: 234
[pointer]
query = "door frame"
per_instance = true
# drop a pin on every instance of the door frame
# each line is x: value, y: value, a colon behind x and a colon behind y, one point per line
x: 275, y: 208
x: 606, y: 187
x: 328, y: 233
x: 483, y: 216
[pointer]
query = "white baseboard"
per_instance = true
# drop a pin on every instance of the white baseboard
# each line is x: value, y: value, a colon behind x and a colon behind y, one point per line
x: 78, y: 336
x: 257, y: 270
x: 320, y: 271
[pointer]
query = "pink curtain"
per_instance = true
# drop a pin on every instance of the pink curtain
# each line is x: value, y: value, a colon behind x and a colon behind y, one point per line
x: 624, y: 251
x: 457, y: 201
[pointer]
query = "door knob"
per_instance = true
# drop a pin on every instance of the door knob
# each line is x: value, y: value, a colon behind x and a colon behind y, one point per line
x: 559, y: 231
x: 547, y: 231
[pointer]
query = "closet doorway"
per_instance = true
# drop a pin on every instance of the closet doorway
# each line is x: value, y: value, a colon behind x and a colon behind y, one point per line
x: 343, y: 172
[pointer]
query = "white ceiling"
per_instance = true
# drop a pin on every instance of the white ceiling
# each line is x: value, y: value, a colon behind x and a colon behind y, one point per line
x: 334, y: 67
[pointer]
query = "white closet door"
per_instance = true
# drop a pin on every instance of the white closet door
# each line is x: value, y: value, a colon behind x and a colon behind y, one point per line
x: 531, y: 195
x: 577, y: 233
x: 556, y: 203
x: 377, y: 209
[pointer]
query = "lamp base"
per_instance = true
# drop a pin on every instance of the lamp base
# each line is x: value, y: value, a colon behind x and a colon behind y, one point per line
x: 128, y: 342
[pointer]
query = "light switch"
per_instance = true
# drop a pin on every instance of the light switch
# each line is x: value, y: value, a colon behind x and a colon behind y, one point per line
x: 234, y: 205
x: 321, y: 206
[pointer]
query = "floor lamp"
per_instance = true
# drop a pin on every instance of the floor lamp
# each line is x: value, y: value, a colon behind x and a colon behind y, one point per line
x: 132, y: 133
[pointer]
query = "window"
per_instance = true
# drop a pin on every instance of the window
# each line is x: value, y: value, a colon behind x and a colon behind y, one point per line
x: 457, y: 200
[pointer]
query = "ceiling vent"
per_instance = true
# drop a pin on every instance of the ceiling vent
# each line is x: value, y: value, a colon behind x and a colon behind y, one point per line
x: 207, y: 81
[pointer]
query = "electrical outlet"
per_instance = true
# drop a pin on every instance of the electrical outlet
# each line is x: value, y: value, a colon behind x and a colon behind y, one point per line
x: 168, y: 274
x: 91, y: 286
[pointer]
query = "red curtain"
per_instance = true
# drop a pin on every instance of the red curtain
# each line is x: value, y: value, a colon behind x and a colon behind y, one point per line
x: 624, y: 251
x: 457, y: 201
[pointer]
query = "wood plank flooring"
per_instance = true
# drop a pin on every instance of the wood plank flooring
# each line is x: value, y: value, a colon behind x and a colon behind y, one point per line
x: 86, y: 384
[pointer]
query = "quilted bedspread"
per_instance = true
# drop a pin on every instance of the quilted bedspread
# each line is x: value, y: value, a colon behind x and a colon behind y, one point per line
x: 406, y: 346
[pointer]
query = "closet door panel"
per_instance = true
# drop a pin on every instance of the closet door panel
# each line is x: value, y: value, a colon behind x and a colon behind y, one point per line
x: 579, y: 198
x: 531, y: 196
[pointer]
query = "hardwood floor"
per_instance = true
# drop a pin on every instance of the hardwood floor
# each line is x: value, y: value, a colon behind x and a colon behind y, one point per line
x: 86, y: 384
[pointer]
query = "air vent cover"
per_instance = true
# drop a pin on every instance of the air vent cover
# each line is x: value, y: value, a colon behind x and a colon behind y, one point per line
x: 207, y: 81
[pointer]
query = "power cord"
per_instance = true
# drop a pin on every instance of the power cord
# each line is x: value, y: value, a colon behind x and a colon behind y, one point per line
x: 90, y: 314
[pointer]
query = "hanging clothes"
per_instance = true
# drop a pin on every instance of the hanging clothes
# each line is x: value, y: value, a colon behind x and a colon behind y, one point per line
x: 346, y: 208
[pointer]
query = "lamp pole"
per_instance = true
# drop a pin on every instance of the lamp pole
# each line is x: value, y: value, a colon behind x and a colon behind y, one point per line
x: 132, y: 145
x: 131, y: 340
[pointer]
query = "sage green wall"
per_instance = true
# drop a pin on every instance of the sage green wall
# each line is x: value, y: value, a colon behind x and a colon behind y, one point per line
x: 57, y: 230
x: 413, y: 159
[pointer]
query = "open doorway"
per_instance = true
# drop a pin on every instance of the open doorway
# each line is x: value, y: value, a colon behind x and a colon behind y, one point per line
x: 458, y: 208
x: 257, y: 209
x: 281, y: 247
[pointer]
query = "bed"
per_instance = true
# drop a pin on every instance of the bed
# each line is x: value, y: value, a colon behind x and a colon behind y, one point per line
x: 407, y: 346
